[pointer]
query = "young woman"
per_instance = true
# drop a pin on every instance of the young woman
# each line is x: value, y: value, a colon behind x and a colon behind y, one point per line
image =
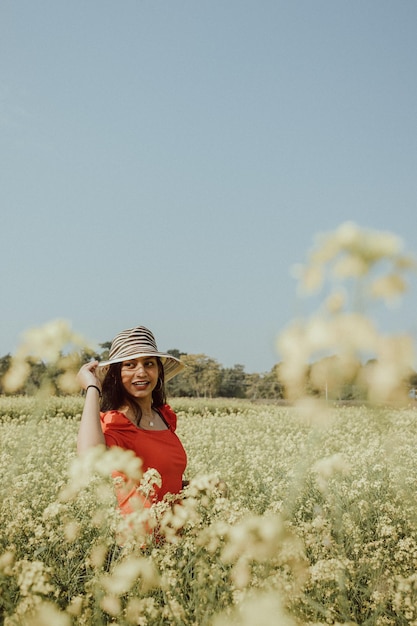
x: 125, y: 406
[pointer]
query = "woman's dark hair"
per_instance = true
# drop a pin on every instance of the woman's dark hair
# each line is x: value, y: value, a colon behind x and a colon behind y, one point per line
x: 114, y: 394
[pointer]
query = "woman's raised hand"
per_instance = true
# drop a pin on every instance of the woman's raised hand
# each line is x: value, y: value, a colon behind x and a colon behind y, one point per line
x: 87, y: 375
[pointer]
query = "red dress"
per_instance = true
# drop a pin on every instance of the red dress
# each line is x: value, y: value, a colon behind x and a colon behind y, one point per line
x: 158, y: 449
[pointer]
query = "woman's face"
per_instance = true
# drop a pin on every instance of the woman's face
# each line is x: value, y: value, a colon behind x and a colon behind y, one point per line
x: 140, y: 376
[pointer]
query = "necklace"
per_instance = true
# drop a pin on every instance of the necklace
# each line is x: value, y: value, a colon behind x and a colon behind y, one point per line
x: 151, y: 419
x: 133, y: 418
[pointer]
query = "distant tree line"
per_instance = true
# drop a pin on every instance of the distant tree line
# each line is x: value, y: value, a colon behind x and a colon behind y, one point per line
x: 204, y: 377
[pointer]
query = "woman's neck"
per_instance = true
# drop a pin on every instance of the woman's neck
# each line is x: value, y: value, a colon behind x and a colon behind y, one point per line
x: 148, y: 420
x: 139, y: 413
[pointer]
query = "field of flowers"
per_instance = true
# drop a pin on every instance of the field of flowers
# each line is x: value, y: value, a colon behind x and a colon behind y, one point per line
x: 303, y: 514
x: 317, y: 525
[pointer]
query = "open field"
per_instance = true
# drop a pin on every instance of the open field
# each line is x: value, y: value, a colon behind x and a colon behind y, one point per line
x: 319, y: 524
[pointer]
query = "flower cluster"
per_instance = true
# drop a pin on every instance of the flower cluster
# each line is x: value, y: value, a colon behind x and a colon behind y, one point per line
x: 319, y: 523
x: 55, y: 343
x: 373, y: 265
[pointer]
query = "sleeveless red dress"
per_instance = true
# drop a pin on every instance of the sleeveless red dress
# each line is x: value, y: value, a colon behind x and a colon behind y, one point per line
x: 158, y: 449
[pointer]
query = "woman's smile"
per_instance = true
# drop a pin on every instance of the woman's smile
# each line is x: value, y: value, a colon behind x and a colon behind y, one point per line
x: 141, y: 384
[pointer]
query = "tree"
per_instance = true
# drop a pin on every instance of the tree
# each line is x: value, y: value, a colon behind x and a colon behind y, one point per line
x: 105, y: 350
x: 253, y: 383
x: 412, y: 382
x: 177, y: 387
x: 5, y: 362
x: 272, y: 385
x: 265, y: 386
x: 233, y: 382
x: 201, y: 376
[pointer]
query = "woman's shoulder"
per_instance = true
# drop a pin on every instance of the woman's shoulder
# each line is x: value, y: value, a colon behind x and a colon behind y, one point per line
x: 169, y: 414
x: 114, y: 418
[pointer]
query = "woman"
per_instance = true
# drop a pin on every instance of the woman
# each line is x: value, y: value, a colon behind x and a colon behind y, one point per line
x: 125, y: 406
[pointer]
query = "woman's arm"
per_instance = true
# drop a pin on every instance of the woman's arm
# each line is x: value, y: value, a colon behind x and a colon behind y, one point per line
x: 90, y: 433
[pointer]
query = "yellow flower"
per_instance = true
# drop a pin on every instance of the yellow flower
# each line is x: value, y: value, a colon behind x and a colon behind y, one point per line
x: 15, y: 377
x: 328, y: 467
x: 262, y: 609
x: 46, y: 343
x: 126, y: 573
x: 388, y: 287
x: 111, y: 604
x: 71, y: 531
x: 335, y: 302
x: 350, y: 266
x: 48, y: 613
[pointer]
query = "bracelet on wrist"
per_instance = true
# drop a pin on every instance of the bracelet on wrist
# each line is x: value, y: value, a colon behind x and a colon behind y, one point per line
x: 94, y: 387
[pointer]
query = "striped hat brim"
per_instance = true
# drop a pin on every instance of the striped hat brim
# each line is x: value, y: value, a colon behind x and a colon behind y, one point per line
x: 137, y: 342
x: 172, y: 366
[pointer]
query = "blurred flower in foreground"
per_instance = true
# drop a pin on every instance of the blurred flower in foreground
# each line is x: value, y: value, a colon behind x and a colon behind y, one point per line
x: 127, y: 572
x: 47, y: 613
x: 262, y: 609
x: 373, y: 265
x: 102, y: 462
x: 48, y: 344
x: 258, y: 539
x: 327, y: 467
x: 354, y: 253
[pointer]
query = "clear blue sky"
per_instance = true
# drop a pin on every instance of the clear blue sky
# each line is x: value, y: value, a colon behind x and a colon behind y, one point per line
x: 167, y: 162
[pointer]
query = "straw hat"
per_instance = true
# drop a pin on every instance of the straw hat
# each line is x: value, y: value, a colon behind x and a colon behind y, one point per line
x: 137, y: 342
